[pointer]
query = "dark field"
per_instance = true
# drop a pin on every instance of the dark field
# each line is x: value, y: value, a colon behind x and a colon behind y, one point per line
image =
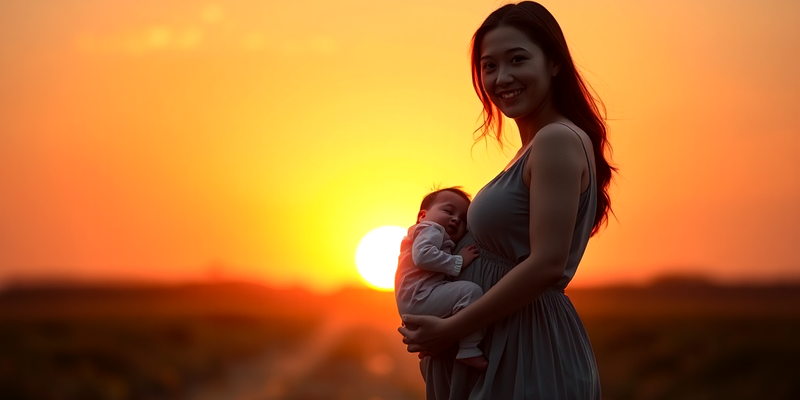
x: 674, y: 340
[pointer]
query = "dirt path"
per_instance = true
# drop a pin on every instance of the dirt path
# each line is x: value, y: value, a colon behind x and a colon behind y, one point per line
x: 272, y: 376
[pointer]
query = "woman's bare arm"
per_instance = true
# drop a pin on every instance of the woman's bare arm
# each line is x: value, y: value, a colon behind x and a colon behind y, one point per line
x: 556, y: 165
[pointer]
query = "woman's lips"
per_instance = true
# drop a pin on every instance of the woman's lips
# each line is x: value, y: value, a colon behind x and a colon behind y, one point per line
x: 510, y: 95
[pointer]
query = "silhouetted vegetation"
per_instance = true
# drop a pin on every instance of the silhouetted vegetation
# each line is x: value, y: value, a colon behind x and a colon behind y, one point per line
x: 673, y: 340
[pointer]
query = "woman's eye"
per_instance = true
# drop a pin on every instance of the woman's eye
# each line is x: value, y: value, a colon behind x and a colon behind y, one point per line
x: 518, y: 59
x: 488, y: 66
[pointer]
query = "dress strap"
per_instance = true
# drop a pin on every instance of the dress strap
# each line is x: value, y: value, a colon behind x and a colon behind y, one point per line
x: 586, y: 153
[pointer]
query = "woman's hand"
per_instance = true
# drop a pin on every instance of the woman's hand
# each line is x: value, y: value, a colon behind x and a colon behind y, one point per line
x: 426, y: 334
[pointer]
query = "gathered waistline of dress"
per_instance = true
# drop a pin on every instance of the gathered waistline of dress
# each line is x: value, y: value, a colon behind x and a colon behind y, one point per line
x: 509, y: 264
x: 488, y: 255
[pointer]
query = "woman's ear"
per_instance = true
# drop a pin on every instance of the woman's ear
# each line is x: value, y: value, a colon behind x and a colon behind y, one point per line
x: 420, y: 215
x: 554, y: 70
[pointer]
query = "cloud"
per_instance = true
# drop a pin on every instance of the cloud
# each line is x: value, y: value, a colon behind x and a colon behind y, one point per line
x: 190, y: 38
x: 199, y: 35
x: 212, y: 14
x: 324, y: 45
x: 253, y: 42
x: 139, y: 41
x: 158, y: 37
x: 151, y: 38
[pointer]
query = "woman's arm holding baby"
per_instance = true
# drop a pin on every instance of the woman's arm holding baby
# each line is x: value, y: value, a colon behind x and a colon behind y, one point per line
x: 556, y: 165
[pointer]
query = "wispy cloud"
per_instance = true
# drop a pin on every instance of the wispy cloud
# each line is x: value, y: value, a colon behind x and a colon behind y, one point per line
x: 212, y: 14
x: 142, y: 40
x: 253, y: 42
x: 211, y: 28
x: 324, y: 45
x: 155, y: 37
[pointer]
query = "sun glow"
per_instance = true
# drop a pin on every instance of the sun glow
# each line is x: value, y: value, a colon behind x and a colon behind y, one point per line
x: 376, y: 256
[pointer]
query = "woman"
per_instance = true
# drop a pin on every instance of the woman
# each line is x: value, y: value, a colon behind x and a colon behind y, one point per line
x: 531, y: 223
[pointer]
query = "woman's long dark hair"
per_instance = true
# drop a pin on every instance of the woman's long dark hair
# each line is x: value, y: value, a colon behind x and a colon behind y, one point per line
x: 572, y: 96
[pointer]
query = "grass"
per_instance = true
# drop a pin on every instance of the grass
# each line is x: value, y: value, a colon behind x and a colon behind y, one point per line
x: 697, y: 358
x: 131, y: 358
x: 195, y: 342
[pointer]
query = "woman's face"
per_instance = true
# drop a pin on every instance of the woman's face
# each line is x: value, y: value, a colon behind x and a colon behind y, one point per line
x: 515, y: 72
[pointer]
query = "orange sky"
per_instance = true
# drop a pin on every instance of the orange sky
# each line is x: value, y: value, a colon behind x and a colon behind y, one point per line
x: 263, y: 139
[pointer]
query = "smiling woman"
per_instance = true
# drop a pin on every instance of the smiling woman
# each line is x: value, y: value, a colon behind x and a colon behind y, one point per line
x: 376, y: 256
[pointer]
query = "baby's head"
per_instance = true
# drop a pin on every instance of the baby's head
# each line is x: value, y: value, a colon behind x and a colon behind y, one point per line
x: 448, y: 208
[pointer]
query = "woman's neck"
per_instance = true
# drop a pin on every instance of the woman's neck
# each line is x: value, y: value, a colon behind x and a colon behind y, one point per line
x: 530, y: 124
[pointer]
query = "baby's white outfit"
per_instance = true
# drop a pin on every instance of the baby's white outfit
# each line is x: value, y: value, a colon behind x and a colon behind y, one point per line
x: 421, y: 284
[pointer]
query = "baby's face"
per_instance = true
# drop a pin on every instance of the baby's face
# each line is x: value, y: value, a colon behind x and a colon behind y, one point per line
x: 450, y: 211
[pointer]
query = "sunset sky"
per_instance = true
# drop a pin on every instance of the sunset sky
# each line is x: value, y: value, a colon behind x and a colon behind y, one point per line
x: 253, y: 139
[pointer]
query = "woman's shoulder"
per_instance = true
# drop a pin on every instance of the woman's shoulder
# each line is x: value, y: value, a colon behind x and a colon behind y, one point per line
x: 560, y: 134
x: 561, y: 149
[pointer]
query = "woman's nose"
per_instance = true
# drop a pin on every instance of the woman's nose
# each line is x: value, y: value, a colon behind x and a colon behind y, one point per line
x: 504, y: 77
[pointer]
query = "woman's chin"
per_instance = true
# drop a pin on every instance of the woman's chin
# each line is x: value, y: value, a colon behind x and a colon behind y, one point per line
x: 513, y: 112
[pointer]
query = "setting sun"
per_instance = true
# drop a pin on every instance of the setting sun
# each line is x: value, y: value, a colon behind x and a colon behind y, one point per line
x: 376, y: 256
x: 166, y: 139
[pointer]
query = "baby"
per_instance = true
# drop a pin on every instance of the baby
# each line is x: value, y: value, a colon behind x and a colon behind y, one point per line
x: 421, y: 283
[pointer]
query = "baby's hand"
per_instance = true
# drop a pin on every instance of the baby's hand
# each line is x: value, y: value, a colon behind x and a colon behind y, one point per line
x: 468, y: 254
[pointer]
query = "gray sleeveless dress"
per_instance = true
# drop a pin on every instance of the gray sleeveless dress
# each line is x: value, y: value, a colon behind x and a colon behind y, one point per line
x: 541, y: 351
